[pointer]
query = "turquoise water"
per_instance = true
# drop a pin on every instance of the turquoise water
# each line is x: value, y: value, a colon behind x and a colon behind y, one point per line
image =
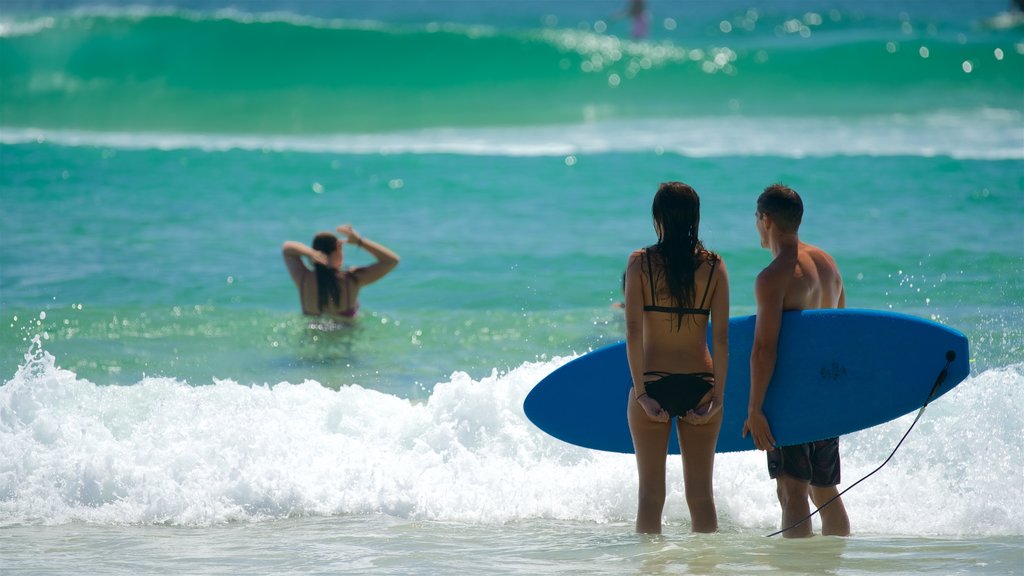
x: 170, y: 259
x: 232, y: 71
x: 160, y: 384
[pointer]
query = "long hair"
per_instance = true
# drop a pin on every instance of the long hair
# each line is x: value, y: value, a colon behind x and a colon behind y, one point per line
x: 676, y: 211
x: 328, y: 288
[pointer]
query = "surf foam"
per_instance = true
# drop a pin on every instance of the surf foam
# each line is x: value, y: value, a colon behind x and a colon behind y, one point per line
x: 983, y: 134
x: 162, y: 451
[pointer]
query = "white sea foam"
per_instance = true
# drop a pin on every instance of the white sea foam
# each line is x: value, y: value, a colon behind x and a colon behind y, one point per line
x: 10, y: 27
x: 984, y: 134
x: 162, y: 451
x: 83, y: 15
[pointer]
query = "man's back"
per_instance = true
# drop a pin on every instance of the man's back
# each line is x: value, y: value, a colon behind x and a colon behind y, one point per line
x: 809, y: 281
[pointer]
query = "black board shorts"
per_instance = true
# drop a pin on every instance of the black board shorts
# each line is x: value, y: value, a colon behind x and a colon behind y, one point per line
x: 814, y: 462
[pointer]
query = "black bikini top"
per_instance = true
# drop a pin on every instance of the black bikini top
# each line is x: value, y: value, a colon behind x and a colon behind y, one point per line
x: 653, y: 306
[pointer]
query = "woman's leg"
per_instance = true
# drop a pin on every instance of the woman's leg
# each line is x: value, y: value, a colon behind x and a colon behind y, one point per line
x: 650, y: 442
x: 698, y: 446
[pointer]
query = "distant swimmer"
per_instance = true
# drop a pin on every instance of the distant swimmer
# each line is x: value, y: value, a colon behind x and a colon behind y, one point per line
x: 620, y: 304
x: 328, y: 289
x: 637, y: 10
x: 1011, y: 18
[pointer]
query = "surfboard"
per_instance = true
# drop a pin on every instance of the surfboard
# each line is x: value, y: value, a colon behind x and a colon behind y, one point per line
x: 838, y: 371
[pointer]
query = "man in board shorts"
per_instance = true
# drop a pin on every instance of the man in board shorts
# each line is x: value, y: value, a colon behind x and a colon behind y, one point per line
x: 816, y: 463
x: 800, y: 277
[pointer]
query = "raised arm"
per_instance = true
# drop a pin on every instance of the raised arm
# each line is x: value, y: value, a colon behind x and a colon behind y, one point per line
x: 386, y: 258
x: 293, y: 252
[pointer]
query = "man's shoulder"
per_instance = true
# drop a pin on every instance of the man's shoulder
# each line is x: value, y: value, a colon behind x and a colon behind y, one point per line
x: 819, y: 254
x: 830, y: 278
x: 780, y: 267
x: 773, y: 277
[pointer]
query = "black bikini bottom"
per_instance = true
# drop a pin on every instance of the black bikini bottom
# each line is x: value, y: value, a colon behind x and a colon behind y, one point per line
x: 679, y: 393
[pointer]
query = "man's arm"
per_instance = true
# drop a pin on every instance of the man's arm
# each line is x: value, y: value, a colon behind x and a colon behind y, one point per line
x: 769, y: 294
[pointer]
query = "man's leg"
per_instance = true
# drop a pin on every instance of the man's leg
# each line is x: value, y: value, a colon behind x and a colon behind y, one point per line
x: 825, y: 478
x: 791, y: 468
x: 793, y: 494
x: 834, y: 521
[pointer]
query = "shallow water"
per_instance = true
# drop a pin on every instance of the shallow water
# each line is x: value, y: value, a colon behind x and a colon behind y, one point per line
x: 386, y: 545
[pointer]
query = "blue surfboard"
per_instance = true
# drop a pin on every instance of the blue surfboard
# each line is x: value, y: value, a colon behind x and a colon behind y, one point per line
x: 838, y: 371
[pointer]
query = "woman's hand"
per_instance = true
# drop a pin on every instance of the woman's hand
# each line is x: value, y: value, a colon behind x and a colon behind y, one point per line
x: 654, y: 410
x: 317, y: 257
x: 703, y: 414
x: 350, y: 234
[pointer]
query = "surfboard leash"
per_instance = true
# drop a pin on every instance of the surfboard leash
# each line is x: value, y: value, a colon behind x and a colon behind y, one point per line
x: 950, y: 356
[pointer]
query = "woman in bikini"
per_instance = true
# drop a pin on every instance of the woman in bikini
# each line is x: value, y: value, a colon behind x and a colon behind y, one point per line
x: 328, y: 289
x: 674, y: 289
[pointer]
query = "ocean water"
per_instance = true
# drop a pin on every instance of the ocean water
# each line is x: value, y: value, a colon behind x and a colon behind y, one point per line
x: 165, y: 408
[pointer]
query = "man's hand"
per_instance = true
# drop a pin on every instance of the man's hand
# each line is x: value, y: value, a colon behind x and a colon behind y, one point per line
x: 759, y: 430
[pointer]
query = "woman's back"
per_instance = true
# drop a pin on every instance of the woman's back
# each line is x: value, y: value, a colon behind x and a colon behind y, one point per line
x: 327, y: 288
x: 675, y: 334
x: 673, y: 289
x: 346, y: 305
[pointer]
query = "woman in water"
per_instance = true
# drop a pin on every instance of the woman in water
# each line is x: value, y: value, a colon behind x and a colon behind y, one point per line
x: 673, y: 290
x: 328, y: 289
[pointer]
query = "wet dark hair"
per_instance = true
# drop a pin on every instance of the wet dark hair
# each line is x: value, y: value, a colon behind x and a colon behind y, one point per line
x: 676, y: 210
x: 783, y: 204
x: 328, y: 288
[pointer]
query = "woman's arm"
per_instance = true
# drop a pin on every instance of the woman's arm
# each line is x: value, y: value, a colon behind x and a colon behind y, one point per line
x: 635, y: 337
x: 293, y: 252
x: 386, y: 258
x: 720, y: 331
